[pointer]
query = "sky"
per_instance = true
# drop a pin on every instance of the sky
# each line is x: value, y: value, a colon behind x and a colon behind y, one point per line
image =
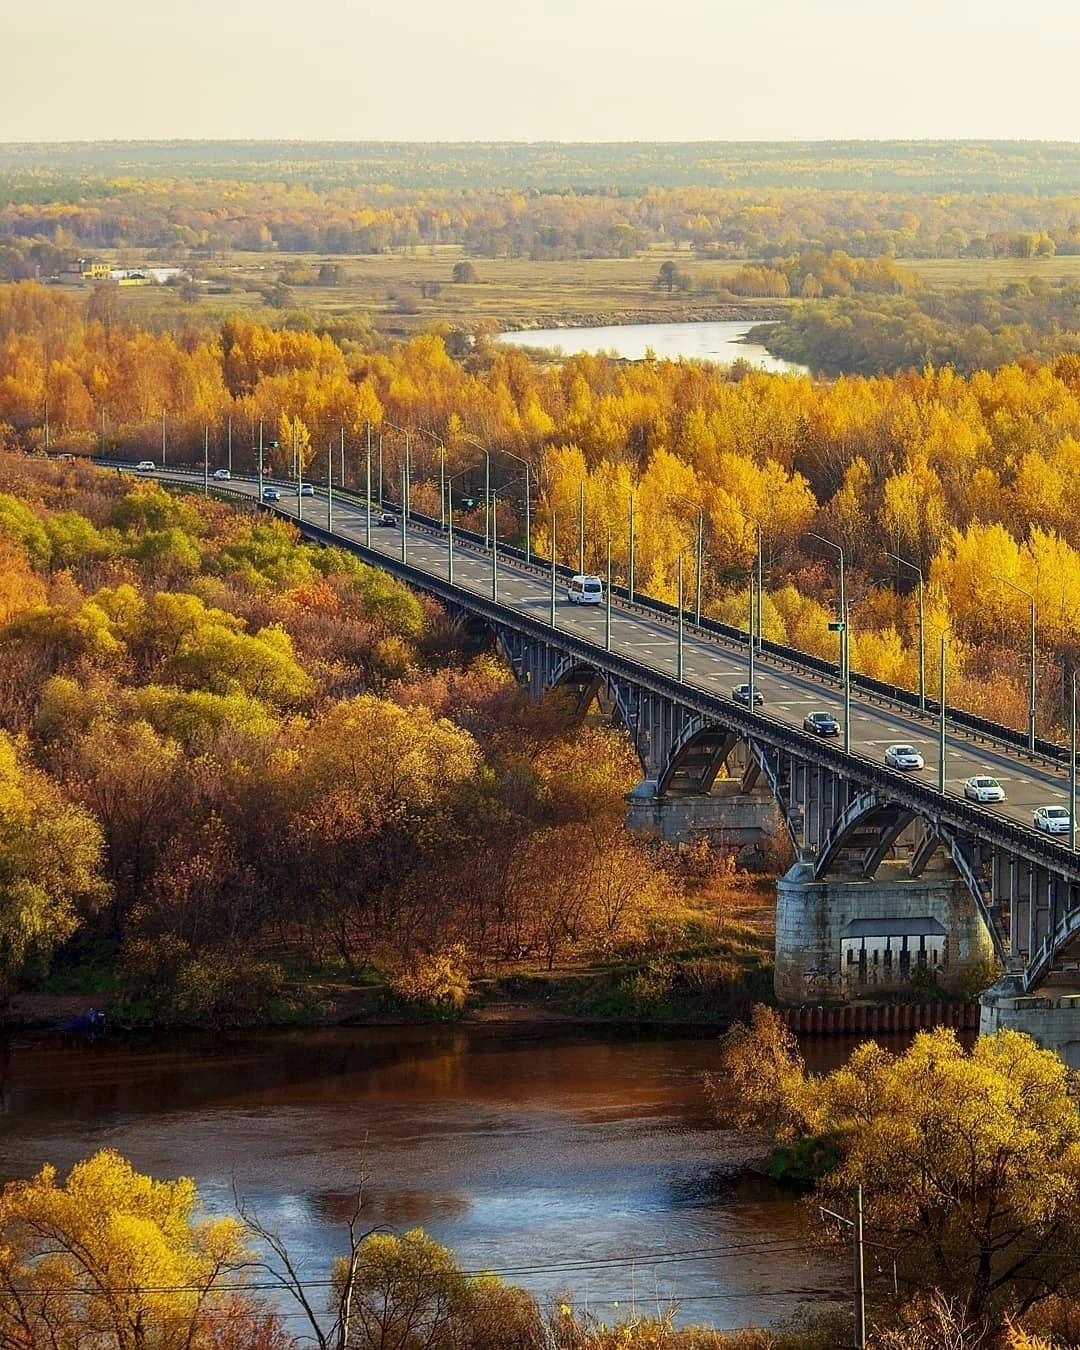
x: 549, y: 70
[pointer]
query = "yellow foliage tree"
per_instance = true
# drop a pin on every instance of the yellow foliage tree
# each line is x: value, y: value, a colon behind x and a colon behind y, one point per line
x: 112, y: 1258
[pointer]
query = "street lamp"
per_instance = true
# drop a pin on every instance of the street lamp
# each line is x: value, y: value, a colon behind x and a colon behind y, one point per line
x: 760, y: 590
x: 450, y: 519
x: 405, y: 477
x: 1072, y: 766
x: 842, y: 605
x: 630, y: 554
x: 679, y: 644
x: 554, y: 573
x: 499, y: 450
x: 581, y: 525
x: 700, y: 552
x: 1031, y: 660
x: 922, y: 628
x: 942, y: 719
x: 495, y: 537
x: 844, y: 629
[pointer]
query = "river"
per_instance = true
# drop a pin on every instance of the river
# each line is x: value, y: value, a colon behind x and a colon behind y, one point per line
x: 566, y: 1159
x: 718, y: 341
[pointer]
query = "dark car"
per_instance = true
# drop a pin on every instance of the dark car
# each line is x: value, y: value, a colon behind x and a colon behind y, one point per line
x: 821, y: 724
x: 271, y: 494
x: 741, y: 694
x: 386, y: 518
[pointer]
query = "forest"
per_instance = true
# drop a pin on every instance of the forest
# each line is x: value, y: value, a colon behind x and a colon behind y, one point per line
x: 968, y: 480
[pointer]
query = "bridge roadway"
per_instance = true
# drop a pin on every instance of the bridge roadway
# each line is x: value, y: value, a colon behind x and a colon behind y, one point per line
x: 1026, y: 885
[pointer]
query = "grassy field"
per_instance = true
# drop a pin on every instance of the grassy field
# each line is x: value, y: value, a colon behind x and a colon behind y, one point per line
x: 401, y: 294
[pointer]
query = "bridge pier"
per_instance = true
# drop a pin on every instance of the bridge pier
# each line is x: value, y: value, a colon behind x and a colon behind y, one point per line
x: 845, y: 938
x: 741, y: 819
x: 1051, y: 1018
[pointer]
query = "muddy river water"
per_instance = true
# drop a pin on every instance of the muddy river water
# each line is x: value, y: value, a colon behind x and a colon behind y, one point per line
x: 568, y: 1161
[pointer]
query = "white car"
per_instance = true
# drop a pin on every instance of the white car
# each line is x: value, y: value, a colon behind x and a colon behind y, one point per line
x: 980, y: 788
x: 585, y: 589
x: 145, y: 466
x: 903, y: 757
x: 222, y: 474
x: 1053, y: 820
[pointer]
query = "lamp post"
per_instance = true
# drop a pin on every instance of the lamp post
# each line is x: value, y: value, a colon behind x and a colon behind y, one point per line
x: 942, y: 719
x: 367, y: 498
x: 554, y: 574
x: 630, y: 554
x: 406, y: 477
x: 844, y: 629
x: 1072, y: 766
x: 450, y: 518
x: 699, y: 553
x: 922, y: 627
x: 329, y: 486
x: 750, y: 642
x: 1031, y: 660
x: 581, y: 525
x: 842, y: 605
x: 261, y: 461
x: 528, y: 494
x: 760, y: 589
x: 206, y: 462
x: 607, y: 598
x: 679, y: 642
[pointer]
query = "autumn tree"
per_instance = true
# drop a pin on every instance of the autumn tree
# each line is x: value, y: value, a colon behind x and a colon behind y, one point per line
x: 50, y: 864
x: 969, y: 1162
x: 111, y: 1258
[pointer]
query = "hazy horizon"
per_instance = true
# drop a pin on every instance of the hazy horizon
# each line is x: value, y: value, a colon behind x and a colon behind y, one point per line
x: 715, y: 70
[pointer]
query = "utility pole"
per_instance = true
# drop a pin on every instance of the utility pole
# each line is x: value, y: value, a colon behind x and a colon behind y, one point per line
x: 859, y: 1280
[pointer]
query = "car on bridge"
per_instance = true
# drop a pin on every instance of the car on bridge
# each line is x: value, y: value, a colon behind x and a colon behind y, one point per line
x: 223, y: 475
x: 585, y: 589
x: 821, y: 724
x: 304, y: 490
x: 981, y: 788
x: 386, y: 518
x: 741, y: 694
x: 904, y: 757
x: 1053, y: 820
x: 271, y: 494
x: 145, y: 466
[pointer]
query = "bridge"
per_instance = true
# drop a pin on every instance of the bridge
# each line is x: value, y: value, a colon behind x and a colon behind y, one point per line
x: 890, y: 875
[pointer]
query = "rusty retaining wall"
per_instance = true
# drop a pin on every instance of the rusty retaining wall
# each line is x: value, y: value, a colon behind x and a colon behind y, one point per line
x: 855, y: 1019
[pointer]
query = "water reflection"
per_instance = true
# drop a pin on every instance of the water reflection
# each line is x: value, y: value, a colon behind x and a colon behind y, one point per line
x: 567, y: 1160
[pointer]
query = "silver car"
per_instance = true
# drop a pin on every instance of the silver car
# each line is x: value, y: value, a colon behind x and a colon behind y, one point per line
x: 903, y: 757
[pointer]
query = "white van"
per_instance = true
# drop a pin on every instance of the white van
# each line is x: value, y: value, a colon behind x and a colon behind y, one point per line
x: 585, y: 590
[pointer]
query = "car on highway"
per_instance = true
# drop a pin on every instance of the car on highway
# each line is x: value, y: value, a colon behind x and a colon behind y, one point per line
x: 271, y: 494
x: 1053, y: 820
x: 741, y: 694
x: 145, y: 466
x: 386, y: 518
x: 982, y: 788
x: 306, y: 490
x: 585, y: 589
x: 821, y: 724
x: 903, y: 757
x: 222, y: 474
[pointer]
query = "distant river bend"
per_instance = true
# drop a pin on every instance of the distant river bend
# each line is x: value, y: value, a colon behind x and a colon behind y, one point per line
x: 720, y: 341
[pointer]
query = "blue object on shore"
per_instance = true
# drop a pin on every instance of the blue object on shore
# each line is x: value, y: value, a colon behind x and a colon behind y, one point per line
x: 90, y: 1023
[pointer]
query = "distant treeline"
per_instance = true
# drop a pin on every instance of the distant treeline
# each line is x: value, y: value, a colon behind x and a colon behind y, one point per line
x: 516, y: 202
x: 866, y: 166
